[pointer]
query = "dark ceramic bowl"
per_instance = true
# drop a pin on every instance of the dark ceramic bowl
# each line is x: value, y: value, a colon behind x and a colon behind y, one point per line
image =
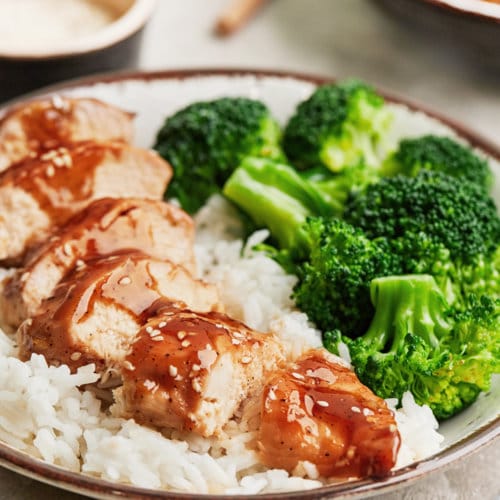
x: 116, y: 46
x: 471, y: 26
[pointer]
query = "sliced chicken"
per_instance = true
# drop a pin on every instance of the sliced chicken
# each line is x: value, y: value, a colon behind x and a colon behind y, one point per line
x: 52, y: 122
x: 97, y: 310
x: 191, y: 371
x: 317, y: 410
x: 107, y: 226
x: 40, y: 194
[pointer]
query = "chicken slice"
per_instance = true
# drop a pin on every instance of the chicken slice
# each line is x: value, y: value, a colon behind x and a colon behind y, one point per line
x: 105, y: 227
x: 96, y: 311
x: 40, y: 193
x: 317, y: 410
x: 191, y: 371
x: 52, y: 122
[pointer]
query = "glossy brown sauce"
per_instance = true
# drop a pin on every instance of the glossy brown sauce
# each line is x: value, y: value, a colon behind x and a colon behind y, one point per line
x: 123, y: 281
x: 46, y: 124
x: 62, y: 179
x: 89, y: 234
x: 318, y: 411
x: 174, y: 351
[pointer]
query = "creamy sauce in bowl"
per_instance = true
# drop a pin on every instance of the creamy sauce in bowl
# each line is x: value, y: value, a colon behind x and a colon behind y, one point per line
x: 46, y: 25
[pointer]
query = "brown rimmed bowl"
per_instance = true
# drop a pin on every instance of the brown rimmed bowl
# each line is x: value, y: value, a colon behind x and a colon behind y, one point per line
x: 154, y: 95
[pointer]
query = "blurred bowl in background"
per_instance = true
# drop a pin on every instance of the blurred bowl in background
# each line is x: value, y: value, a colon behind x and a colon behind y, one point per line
x: 52, y: 40
x: 470, y: 26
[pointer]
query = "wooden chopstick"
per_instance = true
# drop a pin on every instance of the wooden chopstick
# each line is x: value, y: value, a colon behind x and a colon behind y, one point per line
x: 236, y: 15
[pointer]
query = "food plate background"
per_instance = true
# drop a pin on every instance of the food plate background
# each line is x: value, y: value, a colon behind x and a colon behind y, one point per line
x: 152, y: 96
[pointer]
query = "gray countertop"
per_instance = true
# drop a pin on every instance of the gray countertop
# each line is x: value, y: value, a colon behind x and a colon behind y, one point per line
x: 342, y: 38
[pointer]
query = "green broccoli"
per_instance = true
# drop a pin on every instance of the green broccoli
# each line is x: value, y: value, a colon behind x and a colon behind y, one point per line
x: 275, y: 196
x: 440, y: 154
x: 438, y: 225
x: 333, y: 286
x: 338, y: 188
x: 205, y: 141
x: 337, y: 127
x: 417, y: 343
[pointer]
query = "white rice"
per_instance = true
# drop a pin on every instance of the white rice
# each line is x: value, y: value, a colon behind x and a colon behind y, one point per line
x: 43, y: 413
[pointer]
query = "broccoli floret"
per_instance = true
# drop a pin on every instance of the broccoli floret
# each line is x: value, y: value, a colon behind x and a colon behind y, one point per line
x: 333, y: 286
x: 205, y: 141
x: 338, y: 126
x: 337, y: 188
x: 440, y: 154
x: 433, y: 207
x: 417, y: 343
x: 275, y: 196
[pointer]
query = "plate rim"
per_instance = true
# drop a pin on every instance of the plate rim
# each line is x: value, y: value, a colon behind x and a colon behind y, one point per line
x: 34, y: 468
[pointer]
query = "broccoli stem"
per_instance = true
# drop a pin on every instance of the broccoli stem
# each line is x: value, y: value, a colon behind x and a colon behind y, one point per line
x: 277, y: 197
x: 406, y: 304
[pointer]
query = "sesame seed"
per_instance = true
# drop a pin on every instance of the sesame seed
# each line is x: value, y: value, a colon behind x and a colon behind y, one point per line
x: 125, y: 281
x: 236, y: 342
x: 50, y: 171
x: 49, y: 155
x: 355, y: 409
x: 324, y: 404
x: 238, y: 335
x: 246, y: 359
x: 149, y: 384
x: 149, y: 330
x: 181, y: 334
x: 128, y: 365
x: 196, y: 384
x: 80, y: 264
x: 179, y: 378
x: 172, y: 370
x: 67, y: 160
x: 185, y: 343
x: 392, y: 428
x: 162, y: 324
x: 196, y: 368
x: 157, y: 338
x: 76, y: 356
x: 272, y: 395
x: 58, y: 161
x: 367, y: 412
x: 67, y: 249
x: 298, y: 376
x: 57, y: 102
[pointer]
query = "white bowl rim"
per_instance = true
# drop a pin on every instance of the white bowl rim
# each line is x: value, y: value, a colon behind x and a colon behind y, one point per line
x: 480, y: 8
x: 125, y: 26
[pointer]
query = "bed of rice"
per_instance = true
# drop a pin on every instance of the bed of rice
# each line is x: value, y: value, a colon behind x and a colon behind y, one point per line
x: 43, y: 413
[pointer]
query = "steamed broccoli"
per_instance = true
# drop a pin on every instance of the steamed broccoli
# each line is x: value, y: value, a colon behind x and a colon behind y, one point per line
x: 417, y: 343
x: 338, y: 126
x: 205, y: 141
x: 275, y: 196
x: 440, y: 154
x: 338, y: 188
x: 438, y: 225
x: 333, y: 286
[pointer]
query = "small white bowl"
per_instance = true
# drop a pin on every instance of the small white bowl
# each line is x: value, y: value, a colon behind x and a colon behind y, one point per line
x: 115, y: 46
